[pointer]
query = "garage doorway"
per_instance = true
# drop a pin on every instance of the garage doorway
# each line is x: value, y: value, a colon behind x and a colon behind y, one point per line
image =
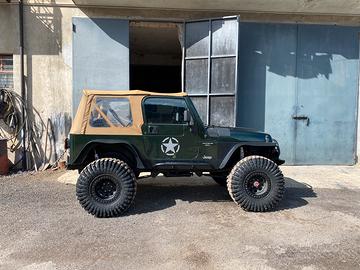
x: 155, y: 56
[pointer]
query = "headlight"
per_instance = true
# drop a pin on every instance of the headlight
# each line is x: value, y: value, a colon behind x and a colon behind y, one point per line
x: 267, y: 138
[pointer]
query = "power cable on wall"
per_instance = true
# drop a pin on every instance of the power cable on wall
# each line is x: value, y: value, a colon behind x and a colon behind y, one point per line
x: 11, y: 107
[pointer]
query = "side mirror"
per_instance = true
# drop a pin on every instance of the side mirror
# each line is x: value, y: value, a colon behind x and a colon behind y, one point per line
x: 187, y: 116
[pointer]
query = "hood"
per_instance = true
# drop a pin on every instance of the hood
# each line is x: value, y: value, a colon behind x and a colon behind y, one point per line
x: 239, y: 133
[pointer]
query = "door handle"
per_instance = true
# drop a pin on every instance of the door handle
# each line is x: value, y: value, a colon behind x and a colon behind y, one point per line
x: 153, y: 130
x: 302, y: 117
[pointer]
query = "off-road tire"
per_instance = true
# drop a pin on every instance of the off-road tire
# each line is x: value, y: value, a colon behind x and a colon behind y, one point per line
x: 245, y: 188
x: 118, y: 194
x: 119, y: 156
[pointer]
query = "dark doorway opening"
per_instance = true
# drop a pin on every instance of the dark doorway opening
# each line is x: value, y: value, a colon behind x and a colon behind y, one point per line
x: 155, y: 56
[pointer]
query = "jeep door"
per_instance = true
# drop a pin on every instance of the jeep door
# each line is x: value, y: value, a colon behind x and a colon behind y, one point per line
x: 167, y: 136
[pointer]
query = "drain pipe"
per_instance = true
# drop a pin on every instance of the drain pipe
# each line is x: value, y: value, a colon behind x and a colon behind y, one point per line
x: 22, y: 84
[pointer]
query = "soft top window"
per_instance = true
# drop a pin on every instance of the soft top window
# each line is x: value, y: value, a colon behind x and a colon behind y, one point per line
x: 164, y: 110
x: 110, y: 112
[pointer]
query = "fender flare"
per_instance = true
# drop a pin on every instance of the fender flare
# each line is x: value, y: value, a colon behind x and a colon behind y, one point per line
x: 237, y: 146
x: 90, y: 145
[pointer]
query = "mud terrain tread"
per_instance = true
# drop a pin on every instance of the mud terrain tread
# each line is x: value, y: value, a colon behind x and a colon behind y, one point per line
x: 238, y: 192
x: 122, y: 173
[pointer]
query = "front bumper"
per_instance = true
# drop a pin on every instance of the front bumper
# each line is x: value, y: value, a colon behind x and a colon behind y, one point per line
x: 279, y: 161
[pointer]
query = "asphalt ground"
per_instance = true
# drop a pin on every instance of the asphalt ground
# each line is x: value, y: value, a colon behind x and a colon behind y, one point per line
x: 183, y: 223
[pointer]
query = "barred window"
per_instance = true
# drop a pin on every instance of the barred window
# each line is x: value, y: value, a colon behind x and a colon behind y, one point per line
x: 6, y: 71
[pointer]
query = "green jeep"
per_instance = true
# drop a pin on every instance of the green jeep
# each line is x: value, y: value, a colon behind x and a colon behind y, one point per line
x: 116, y: 135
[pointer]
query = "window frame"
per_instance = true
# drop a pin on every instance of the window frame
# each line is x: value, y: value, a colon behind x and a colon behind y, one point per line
x: 209, y: 57
x: 3, y: 58
x: 94, y: 106
x: 163, y: 97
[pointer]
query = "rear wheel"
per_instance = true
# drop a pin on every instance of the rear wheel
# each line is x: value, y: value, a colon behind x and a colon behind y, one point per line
x: 256, y: 184
x: 106, y: 187
x: 127, y: 159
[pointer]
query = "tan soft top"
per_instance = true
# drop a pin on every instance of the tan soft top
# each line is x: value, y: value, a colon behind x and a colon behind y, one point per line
x: 81, y: 125
x: 131, y: 93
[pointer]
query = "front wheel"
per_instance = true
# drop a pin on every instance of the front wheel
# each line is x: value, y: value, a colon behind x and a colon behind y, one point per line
x: 256, y: 184
x: 106, y: 187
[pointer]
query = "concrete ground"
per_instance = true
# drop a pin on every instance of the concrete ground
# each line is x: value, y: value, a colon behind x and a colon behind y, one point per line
x: 183, y: 223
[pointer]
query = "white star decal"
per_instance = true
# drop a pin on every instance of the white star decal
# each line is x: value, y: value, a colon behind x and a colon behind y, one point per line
x: 170, y: 146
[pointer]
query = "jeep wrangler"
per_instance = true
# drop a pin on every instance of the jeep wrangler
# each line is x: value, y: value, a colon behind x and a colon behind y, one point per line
x: 116, y: 135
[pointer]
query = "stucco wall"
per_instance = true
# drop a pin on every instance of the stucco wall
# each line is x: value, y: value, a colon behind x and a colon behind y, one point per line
x: 48, y: 48
x: 358, y: 130
x: 345, y: 7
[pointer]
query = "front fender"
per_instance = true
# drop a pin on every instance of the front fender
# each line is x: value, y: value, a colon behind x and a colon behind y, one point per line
x: 239, y: 145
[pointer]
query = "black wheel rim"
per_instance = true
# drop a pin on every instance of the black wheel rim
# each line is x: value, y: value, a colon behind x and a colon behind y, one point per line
x: 105, y: 188
x: 257, y: 184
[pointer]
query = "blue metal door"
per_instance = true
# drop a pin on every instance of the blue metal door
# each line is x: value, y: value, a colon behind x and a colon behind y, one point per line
x: 100, y: 55
x: 327, y: 86
x: 300, y: 83
x: 267, y: 79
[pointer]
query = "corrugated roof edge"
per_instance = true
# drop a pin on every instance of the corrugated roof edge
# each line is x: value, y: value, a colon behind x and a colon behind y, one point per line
x: 89, y: 92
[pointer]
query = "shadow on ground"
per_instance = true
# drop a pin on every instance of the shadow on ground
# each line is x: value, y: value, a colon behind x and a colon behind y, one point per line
x: 295, y: 195
x: 161, y: 193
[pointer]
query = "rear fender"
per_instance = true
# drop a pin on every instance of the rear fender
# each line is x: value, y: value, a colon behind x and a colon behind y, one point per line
x: 116, y: 145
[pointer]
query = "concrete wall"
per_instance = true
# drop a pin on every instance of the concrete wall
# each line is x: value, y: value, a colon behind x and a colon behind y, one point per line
x: 358, y: 129
x: 274, y: 6
x: 48, y: 48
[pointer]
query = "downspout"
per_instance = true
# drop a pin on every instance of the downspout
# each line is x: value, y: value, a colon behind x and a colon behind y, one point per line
x: 22, y: 84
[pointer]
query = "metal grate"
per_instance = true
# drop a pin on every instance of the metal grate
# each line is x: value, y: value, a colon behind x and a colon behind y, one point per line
x: 6, y: 71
